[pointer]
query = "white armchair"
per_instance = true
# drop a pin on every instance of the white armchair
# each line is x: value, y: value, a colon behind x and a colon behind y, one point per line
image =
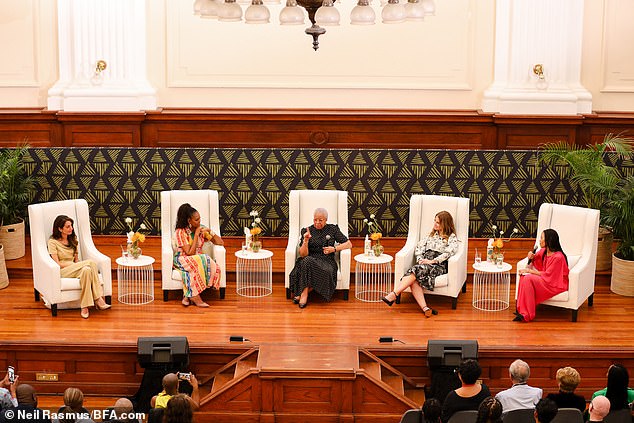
x: 422, y: 209
x: 58, y: 292
x: 301, y: 207
x: 578, y: 230
x: 206, y: 202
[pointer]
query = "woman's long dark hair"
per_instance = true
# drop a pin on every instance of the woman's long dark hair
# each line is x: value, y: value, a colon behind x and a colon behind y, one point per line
x: 618, y: 381
x: 59, y: 222
x: 185, y: 211
x: 551, y: 238
x: 489, y: 411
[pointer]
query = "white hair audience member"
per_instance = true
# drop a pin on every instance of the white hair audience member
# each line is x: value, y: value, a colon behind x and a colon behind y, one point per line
x: 520, y: 395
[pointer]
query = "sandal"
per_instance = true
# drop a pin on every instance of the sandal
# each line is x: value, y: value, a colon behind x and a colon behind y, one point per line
x: 388, y: 302
x: 296, y: 300
x: 429, y: 311
x: 86, y: 314
x: 185, y: 302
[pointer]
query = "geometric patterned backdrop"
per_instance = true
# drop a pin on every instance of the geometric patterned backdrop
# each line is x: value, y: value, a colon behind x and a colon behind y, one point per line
x: 505, y: 187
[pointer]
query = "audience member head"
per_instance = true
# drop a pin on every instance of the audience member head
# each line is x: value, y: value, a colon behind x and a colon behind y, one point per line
x: 489, y: 411
x: 618, y: 381
x: 178, y: 410
x: 170, y: 383
x: 519, y: 371
x: 432, y: 408
x: 568, y: 379
x: 599, y: 408
x: 469, y: 371
x: 73, y: 399
x: 545, y: 410
x: 26, y: 395
x: 445, y: 223
x: 185, y: 212
x: 124, y: 407
x: 58, y: 225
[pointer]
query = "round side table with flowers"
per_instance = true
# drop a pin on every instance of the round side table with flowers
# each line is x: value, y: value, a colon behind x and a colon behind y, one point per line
x: 135, y: 280
x: 135, y: 238
x: 374, y: 232
x: 373, y: 277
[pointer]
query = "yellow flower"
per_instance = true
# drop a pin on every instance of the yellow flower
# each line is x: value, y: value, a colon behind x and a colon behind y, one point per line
x: 138, y: 237
x: 376, y: 236
x: 498, y: 243
x: 256, y: 231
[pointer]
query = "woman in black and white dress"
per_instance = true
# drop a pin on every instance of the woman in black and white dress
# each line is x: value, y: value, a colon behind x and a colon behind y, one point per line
x: 316, y: 268
x: 432, y: 253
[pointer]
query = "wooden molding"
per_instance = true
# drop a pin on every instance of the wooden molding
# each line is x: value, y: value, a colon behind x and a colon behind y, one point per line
x: 304, y: 128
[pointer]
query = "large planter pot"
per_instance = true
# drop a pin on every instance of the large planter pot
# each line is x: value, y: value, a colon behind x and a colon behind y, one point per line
x: 4, y: 276
x: 12, y: 238
x: 622, y: 277
x: 604, y: 250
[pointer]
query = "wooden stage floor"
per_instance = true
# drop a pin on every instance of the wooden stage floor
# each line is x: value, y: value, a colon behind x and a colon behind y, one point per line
x: 273, y: 319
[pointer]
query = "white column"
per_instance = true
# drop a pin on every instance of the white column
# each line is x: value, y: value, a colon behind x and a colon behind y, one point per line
x: 108, y: 30
x: 534, y: 32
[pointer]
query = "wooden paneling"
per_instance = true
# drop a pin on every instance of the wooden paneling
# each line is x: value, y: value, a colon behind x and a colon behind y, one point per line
x: 455, y: 129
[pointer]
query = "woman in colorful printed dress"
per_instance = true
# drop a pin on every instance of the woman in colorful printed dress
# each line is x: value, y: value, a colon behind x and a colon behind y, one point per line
x: 64, y: 249
x: 432, y: 253
x: 199, y: 271
x: 547, y: 277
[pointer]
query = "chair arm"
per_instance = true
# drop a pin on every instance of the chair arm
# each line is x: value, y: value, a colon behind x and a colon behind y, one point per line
x: 345, y: 257
x: 167, y: 263
x: 522, y: 264
x: 404, y: 259
x: 220, y: 255
x: 47, y: 279
x: 581, y: 279
x: 457, y: 268
x: 290, y: 256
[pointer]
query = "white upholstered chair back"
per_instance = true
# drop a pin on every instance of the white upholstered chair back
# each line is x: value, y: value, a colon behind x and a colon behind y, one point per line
x: 61, y: 292
x: 422, y: 210
x: 301, y: 208
x: 207, y: 204
x: 578, y: 229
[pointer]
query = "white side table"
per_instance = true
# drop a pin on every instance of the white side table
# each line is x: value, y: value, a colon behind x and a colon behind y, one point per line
x: 254, y: 273
x: 373, y: 277
x: 135, y: 280
x: 491, y: 286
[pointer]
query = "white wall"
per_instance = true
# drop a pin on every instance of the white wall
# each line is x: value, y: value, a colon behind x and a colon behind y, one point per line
x: 445, y: 62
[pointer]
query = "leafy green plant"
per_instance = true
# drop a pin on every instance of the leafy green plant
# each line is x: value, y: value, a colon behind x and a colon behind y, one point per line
x: 604, y: 187
x: 16, y: 186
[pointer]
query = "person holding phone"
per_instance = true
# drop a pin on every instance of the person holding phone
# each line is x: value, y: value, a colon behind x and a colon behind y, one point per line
x: 170, y: 389
x: 63, y: 247
x: 198, y: 270
x: 316, y: 268
x: 8, y: 398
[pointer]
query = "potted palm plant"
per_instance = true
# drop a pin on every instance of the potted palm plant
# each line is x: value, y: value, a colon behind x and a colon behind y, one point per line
x: 16, y: 190
x: 597, y: 179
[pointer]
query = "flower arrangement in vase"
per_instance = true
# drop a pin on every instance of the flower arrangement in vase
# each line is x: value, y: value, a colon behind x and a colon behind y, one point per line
x: 374, y: 230
x: 135, y: 238
x: 255, y: 231
x: 495, y: 245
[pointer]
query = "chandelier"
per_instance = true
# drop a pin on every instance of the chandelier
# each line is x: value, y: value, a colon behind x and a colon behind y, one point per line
x: 320, y: 12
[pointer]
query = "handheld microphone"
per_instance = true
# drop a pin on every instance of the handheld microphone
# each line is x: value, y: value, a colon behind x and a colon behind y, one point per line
x: 530, y: 260
x: 328, y: 241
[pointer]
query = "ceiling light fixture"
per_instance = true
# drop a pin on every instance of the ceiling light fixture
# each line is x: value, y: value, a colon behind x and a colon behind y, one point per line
x: 320, y: 12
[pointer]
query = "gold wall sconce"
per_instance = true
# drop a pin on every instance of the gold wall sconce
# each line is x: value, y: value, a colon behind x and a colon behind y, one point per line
x: 97, y: 77
x: 538, y: 70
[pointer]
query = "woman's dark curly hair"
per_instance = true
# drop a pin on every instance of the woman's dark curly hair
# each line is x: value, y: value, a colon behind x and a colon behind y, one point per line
x: 185, y: 212
x: 469, y: 371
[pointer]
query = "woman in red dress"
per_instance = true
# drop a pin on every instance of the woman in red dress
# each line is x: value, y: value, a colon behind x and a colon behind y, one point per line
x: 547, y: 277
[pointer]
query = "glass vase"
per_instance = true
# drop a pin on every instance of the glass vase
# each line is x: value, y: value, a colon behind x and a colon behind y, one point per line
x: 256, y: 246
x: 135, y: 251
x: 377, y: 249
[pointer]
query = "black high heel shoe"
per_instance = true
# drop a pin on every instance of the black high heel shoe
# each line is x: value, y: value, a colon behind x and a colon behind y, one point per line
x: 388, y: 302
x: 295, y: 300
x: 518, y: 318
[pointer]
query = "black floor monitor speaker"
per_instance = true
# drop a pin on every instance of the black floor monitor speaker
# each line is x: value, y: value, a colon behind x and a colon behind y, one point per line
x: 163, y: 352
x: 449, y: 353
